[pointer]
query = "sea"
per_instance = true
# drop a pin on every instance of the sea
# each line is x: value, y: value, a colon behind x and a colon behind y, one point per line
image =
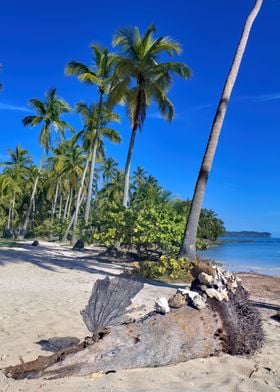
x: 261, y: 255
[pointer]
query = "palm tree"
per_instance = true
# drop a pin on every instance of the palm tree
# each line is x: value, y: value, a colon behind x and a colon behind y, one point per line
x: 188, y: 244
x: 139, y: 176
x: 100, y: 75
x: 109, y: 168
x: 113, y: 191
x: 140, y: 77
x: 93, y: 139
x: 48, y: 114
x: 17, y: 169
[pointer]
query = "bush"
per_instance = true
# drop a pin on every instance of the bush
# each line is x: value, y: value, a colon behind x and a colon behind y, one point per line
x: 168, y: 268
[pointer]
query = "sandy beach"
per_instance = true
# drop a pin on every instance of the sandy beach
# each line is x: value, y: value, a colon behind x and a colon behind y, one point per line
x: 43, y: 289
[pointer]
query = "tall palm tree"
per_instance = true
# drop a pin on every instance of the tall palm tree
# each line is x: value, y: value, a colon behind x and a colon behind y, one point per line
x: 109, y: 168
x: 48, y: 114
x: 188, y: 244
x: 141, y: 77
x: 93, y: 139
x: 100, y: 74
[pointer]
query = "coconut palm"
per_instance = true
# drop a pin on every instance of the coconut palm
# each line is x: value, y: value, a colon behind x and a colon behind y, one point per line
x: 95, y: 130
x: 141, y: 77
x: 139, y: 176
x: 100, y: 74
x: 188, y: 244
x: 48, y: 114
x: 109, y: 168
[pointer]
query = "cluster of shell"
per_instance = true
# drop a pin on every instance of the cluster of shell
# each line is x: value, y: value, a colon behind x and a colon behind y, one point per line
x: 210, y: 281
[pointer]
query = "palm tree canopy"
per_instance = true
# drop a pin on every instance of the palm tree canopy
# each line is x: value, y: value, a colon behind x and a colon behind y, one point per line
x: 140, y: 77
x: 48, y: 113
x: 99, y: 73
x: 93, y: 120
x: 109, y: 168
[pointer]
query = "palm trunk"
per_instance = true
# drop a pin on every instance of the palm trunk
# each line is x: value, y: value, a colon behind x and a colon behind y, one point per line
x: 78, y: 203
x: 13, y: 212
x: 89, y: 194
x: 31, y: 201
x: 70, y: 224
x: 188, y: 248
x: 127, y: 167
x: 95, y: 145
x: 60, y: 207
x: 70, y: 204
x: 66, y: 206
x: 9, y: 217
x: 54, y: 204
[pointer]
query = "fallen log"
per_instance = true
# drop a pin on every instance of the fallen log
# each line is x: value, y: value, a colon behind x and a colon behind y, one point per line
x: 154, y: 340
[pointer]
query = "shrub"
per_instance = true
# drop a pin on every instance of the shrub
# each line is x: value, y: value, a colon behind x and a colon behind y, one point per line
x: 167, y: 267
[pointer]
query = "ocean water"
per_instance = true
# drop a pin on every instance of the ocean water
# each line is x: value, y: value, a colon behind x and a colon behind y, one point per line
x: 260, y: 255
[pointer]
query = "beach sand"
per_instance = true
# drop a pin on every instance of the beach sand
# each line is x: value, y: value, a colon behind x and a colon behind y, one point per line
x: 43, y: 289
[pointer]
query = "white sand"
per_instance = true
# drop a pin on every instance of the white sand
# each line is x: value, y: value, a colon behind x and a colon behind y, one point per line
x: 42, y: 291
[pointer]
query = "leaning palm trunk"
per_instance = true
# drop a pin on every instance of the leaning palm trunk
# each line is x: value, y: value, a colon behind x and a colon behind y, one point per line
x: 127, y: 167
x: 188, y: 248
x: 89, y: 194
x: 78, y: 203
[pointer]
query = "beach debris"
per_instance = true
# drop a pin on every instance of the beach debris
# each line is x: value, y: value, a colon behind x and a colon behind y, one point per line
x: 79, y: 245
x: 161, y: 305
x: 108, y: 302
x: 35, y: 243
x: 199, y: 302
x: 205, y: 278
x: 202, y: 266
x: 183, y: 291
x: 177, y: 301
x: 189, y: 333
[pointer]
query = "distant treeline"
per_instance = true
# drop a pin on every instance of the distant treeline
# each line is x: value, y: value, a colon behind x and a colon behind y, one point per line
x: 255, y: 234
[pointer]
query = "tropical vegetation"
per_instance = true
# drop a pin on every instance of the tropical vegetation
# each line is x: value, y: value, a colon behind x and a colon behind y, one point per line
x: 76, y: 190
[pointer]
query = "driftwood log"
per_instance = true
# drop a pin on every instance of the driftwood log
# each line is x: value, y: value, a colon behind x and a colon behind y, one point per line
x: 154, y: 340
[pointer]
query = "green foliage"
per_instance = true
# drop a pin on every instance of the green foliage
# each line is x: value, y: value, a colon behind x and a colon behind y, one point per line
x: 168, y: 268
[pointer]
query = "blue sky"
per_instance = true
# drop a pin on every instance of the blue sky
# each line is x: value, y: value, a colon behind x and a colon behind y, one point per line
x: 39, y: 38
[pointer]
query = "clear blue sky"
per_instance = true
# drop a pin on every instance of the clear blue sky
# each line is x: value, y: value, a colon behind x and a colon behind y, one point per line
x: 39, y: 38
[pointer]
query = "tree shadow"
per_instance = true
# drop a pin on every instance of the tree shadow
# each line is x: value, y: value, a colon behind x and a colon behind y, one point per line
x: 55, y: 259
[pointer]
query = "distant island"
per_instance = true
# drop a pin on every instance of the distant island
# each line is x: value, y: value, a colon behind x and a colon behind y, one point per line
x: 242, y: 234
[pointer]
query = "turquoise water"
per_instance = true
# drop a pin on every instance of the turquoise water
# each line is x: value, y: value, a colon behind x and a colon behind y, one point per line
x: 260, y: 255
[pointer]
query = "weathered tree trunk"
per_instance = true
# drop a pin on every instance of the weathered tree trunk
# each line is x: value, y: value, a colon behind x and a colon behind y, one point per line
x: 89, y: 193
x: 127, y: 167
x: 153, y: 341
x: 232, y: 327
x: 188, y: 248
